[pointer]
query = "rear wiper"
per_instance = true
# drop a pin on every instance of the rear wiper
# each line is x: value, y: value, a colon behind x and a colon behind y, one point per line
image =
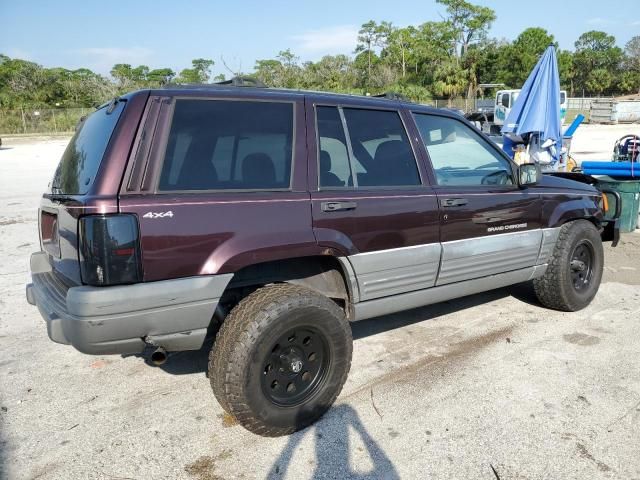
x: 111, y: 104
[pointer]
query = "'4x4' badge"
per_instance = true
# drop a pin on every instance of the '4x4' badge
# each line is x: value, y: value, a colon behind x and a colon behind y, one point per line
x: 158, y: 214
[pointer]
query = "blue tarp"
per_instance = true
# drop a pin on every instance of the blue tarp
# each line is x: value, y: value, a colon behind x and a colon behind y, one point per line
x: 537, y: 108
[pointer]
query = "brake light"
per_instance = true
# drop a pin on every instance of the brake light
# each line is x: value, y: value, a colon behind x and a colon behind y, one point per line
x: 109, y: 250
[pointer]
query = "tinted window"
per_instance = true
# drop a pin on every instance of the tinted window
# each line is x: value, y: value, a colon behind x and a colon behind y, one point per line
x: 459, y: 156
x: 81, y: 159
x: 381, y: 149
x: 217, y: 145
x: 335, y: 170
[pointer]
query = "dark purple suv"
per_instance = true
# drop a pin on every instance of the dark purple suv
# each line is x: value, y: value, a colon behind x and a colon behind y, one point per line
x: 273, y: 218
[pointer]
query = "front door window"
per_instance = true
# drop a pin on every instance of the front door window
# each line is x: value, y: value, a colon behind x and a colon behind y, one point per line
x: 459, y: 156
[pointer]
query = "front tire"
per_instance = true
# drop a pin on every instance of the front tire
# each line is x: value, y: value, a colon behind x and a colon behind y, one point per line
x: 575, y: 268
x: 280, y: 359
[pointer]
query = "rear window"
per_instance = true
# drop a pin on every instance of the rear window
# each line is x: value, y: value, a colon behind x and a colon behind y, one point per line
x: 228, y: 145
x: 80, y: 161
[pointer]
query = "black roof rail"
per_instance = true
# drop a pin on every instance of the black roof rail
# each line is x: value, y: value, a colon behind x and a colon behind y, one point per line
x: 243, y: 81
x: 234, y: 82
x: 392, y: 96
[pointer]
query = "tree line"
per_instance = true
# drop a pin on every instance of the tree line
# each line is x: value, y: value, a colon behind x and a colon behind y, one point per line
x: 438, y: 59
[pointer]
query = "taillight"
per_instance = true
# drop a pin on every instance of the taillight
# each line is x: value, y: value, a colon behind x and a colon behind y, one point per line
x: 109, y: 250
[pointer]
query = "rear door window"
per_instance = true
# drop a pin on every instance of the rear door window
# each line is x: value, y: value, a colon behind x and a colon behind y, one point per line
x: 82, y: 157
x: 228, y: 145
x: 381, y: 149
x: 378, y: 153
x: 334, y: 164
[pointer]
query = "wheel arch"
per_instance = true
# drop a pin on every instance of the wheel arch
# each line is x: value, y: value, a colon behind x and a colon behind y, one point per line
x: 325, y: 274
x: 572, y: 210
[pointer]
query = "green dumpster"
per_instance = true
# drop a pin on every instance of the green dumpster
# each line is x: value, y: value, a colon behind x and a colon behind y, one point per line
x: 629, y: 191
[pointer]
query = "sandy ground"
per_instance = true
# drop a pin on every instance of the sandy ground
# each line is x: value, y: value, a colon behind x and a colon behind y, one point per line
x: 487, y: 383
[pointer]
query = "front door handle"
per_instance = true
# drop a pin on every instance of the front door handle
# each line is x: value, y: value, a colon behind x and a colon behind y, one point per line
x: 337, y: 206
x: 454, y: 202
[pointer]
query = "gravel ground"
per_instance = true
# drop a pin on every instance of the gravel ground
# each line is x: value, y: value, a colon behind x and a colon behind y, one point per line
x: 489, y: 386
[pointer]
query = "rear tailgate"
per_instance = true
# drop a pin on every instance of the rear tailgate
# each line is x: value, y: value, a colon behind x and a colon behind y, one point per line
x: 73, y: 189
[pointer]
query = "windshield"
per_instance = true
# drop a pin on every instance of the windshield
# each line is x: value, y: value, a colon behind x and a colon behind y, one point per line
x: 81, y: 160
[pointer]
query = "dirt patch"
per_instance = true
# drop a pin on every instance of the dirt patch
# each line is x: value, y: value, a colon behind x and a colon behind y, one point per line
x: 228, y: 420
x: 584, y: 453
x: 621, y: 262
x: 455, y: 351
x: 204, y: 467
x: 10, y: 221
x: 101, y: 363
x: 581, y: 339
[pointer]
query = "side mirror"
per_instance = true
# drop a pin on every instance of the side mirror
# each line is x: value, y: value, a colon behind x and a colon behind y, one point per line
x: 528, y: 174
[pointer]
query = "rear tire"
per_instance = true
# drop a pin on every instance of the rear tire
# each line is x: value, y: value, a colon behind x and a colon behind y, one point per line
x: 280, y: 359
x: 575, y: 268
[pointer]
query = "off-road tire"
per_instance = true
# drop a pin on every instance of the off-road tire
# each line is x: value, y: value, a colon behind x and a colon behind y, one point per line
x: 555, y: 288
x: 246, y: 336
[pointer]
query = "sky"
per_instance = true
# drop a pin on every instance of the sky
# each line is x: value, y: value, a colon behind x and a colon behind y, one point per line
x: 161, y: 33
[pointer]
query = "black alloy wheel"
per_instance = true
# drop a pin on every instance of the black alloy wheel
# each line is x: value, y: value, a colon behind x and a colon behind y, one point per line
x: 295, y: 367
x: 581, y: 265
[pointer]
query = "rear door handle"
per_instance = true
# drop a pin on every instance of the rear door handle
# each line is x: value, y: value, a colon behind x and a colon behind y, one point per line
x: 454, y: 202
x: 337, y: 206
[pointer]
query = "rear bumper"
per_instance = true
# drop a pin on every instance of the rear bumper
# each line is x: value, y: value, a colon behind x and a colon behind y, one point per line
x: 173, y: 314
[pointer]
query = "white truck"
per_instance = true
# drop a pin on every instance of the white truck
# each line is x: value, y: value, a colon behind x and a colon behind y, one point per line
x: 490, y: 118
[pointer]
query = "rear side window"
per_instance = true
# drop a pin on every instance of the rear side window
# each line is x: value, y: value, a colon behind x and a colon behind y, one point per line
x: 228, y: 145
x: 81, y: 159
x: 378, y: 155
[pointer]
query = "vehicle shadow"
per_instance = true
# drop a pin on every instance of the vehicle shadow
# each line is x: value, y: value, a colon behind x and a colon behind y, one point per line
x: 332, y: 449
x: 180, y: 363
x: 524, y: 292
x: 196, y: 361
x: 373, y: 326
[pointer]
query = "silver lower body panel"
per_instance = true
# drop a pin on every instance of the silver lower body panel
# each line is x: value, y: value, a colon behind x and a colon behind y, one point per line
x: 420, y: 298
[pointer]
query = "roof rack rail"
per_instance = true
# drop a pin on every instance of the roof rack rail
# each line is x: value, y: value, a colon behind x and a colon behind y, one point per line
x: 392, y: 96
x: 234, y: 82
x: 243, y: 81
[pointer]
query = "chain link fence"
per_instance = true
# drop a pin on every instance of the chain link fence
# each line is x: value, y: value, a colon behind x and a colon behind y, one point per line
x: 40, y: 121
x: 459, y: 103
x: 63, y: 120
